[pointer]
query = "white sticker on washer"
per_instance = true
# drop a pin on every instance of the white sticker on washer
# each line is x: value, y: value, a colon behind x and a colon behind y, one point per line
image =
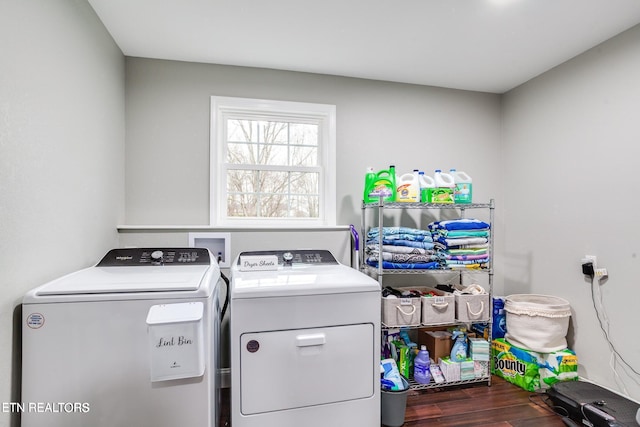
x: 35, y: 320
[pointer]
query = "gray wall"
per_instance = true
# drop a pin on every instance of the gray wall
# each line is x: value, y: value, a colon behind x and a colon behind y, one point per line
x: 378, y: 123
x: 61, y: 151
x: 571, y: 176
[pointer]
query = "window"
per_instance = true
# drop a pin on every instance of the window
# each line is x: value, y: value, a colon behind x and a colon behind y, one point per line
x: 272, y: 163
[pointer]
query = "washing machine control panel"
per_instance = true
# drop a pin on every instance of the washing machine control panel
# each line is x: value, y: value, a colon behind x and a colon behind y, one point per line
x: 297, y: 256
x: 155, y: 256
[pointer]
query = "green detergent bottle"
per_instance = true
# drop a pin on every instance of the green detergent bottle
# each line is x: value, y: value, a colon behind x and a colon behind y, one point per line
x: 381, y: 184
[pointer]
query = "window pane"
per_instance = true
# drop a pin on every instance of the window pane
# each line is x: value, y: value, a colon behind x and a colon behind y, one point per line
x: 304, y: 156
x: 304, y: 206
x: 274, y: 182
x: 306, y: 134
x: 242, y: 181
x: 242, y: 205
x: 242, y: 131
x: 274, y: 132
x: 274, y: 205
x: 304, y: 183
x: 272, y: 155
x: 242, y: 154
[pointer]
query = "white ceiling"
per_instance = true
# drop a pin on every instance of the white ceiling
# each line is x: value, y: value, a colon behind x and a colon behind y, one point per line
x: 480, y: 45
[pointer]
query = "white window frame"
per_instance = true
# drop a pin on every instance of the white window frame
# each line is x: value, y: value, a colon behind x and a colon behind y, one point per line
x: 221, y: 106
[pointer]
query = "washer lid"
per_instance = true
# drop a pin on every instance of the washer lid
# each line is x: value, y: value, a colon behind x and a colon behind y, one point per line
x: 109, y: 280
x: 300, y: 280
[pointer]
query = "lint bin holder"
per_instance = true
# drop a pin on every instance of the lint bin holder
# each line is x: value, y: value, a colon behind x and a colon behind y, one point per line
x: 176, y: 341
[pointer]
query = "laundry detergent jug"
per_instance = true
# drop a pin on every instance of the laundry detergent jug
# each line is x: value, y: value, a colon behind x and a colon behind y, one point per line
x: 408, y: 187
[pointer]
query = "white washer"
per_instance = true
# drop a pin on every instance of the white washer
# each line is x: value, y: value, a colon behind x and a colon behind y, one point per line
x: 132, y: 341
x: 305, y: 341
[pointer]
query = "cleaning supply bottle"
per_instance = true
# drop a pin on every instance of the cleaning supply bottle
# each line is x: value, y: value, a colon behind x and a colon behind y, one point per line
x: 427, y: 184
x: 369, y: 179
x: 445, y: 185
x: 463, y: 190
x: 380, y: 185
x: 459, y: 349
x: 421, y: 365
x: 408, y: 187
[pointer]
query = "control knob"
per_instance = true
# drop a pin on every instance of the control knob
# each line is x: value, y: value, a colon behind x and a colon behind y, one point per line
x: 287, y: 257
x: 156, y: 257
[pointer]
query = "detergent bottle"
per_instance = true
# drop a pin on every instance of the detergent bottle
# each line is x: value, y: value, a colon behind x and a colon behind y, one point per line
x: 443, y: 193
x: 421, y: 365
x: 408, y: 187
x: 427, y: 184
x: 369, y: 179
x: 463, y: 190
x: 380, y: 185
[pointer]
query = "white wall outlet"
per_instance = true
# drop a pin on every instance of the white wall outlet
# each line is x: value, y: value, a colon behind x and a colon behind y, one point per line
x: 591, y: 258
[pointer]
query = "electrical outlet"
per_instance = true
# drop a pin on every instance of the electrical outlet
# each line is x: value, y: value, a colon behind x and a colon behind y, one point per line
x: 591, y: 258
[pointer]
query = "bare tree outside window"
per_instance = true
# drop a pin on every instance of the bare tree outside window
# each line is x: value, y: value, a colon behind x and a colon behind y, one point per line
x: 272, y: 169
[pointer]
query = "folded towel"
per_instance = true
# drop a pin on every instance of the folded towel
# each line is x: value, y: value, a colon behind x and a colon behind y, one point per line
x: 463, y: 241
x: 405, y: 266
x: 459, y: 224
x: 406, y: 233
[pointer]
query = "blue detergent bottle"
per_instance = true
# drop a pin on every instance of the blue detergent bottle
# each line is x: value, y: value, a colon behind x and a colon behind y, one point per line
x: 421, y: 365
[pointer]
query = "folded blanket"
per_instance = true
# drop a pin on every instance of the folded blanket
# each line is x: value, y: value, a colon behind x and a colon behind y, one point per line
x: 481, y: 252
x: 398, y: 249
x: 466, y: 266
x: 461, y: 233
x: 462, y: 241
x: 405, y: 266
x: 466, y: 262
x: 467, y: 257
x: 410, y: 243
x: 392, y: 231
x: 459, y: 224
x: 413, y: 258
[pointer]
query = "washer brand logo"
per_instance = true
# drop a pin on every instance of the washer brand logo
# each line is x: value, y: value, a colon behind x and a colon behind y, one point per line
x: 509, y: 367
x: 124, y: 258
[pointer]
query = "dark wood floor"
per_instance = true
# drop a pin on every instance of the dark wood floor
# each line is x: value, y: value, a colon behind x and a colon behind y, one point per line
x: 500, y: 405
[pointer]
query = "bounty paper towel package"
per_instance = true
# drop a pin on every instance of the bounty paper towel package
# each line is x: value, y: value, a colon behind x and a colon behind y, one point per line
x: 530, y: 370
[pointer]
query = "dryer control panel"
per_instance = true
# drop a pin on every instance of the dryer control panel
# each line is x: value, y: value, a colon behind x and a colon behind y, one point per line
x: 297, y: 256
x: 155, y: 256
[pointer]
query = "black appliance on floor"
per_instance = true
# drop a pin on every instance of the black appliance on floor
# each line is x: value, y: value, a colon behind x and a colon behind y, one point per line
x: 590, y: 404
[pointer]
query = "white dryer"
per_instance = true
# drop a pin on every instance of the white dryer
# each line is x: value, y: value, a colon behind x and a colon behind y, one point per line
x: 132, y: 341
x: 305, y: 338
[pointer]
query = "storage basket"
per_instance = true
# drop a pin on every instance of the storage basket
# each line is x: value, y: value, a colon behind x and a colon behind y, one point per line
x: 401, y: 311
x: 537, y: 322
x: 438, y: 309
x: 472, y: 308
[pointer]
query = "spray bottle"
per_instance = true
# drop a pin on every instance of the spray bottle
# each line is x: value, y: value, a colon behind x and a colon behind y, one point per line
x: 459, y: 349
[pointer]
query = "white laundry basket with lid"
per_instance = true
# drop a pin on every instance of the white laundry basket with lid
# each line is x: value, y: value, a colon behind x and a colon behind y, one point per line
x: 537, y: 322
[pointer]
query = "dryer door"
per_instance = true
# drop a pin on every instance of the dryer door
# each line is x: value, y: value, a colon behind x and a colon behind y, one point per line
x: 302, y: 367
